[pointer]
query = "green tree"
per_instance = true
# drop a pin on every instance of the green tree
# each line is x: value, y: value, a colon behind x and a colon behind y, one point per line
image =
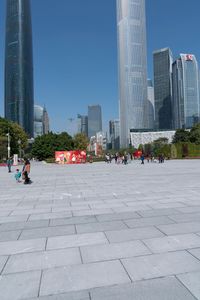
x: 195, y: 134
x: 16, y: 134
x: 81, y: 141
x: 180, y: 136
x: 45, y: 146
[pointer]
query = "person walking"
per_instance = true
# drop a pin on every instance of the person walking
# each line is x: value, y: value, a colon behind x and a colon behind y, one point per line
x: 26, y: 171
x: 9, y: 164
x: 142, y: 159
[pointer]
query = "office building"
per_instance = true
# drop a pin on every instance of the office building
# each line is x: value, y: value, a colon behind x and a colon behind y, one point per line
x: 132, y: 65
x: 19, y: 99
x: 150, y: 107
x: 162, y: 60
x: 114, y: 132
x: 41, y: 121
x: 38, y: 120
x: 186, y: 99
x: 82, y: 124
x: 46, y: 126
x: 94, y: 120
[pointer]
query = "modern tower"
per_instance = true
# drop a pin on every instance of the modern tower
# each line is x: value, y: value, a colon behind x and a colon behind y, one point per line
x: 132, y: 65
x: 19, y: 99
x: 82, y: 124
x: 186, y: 98
x: 94, y: 120
x: 114, y: 131
x: 163, y: 88
x: 150, y: 106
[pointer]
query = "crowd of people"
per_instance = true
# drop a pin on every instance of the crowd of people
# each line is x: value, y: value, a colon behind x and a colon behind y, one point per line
x: 23, y: 175
x: 128, y: 157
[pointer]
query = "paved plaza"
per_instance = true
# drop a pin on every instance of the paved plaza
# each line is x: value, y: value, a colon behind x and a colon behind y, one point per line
x: 101, y: 232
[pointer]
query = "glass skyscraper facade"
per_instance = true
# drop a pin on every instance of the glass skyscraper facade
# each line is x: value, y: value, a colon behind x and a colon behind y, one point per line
x: 163, y: 88
x: 82, y: 124
x: 132, y: 62
x: 19, y: 99
x: 94, y: 120
x: 186, y: 98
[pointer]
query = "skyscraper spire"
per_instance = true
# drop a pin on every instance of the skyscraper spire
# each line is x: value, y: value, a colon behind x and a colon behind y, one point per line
x: 19, y: 99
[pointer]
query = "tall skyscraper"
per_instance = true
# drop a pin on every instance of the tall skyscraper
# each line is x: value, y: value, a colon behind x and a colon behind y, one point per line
x: 114, y: 132
x: 82, y: 124
x: 41, y: 121
x: 46, y: 126
x: 38, y: 120
x: 132, y: 61
x: 186, y: 98
x: 94, y: 120
x: 163, y: 88
x: 150, y: 105
x: 19, y: 99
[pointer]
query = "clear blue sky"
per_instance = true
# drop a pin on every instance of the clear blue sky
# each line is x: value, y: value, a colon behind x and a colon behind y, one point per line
x: 75, y: 51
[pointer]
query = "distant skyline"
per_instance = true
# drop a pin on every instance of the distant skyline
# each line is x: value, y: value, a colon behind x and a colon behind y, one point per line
x: 75, y: 51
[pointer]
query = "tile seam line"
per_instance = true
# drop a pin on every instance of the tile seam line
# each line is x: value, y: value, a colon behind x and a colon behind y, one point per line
x: 176, y: 276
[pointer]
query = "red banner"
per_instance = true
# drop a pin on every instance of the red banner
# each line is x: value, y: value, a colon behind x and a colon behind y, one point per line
x: 70, y: 157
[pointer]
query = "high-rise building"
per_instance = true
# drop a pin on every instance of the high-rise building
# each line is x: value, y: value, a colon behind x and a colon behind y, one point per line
x: 132, y: 61
x: 46, y: 126
x: 82, y: 124
x: 163, y: 88
x: 186, y: 98
x: 38, y: 120
x: 114, y: 132
x: 150, y: 105
x: 19, y: 99
x: 94, y: 120
x: 41, y: 121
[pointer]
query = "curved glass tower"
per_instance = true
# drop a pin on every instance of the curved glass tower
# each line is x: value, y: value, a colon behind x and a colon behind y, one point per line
x: 132, y: 61
x: 186, y: 101
x: 19, y: 99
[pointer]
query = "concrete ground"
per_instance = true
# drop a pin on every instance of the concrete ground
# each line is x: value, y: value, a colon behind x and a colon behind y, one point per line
x: 101, y: 232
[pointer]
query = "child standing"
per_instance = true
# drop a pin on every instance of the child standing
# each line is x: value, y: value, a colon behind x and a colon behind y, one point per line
x: 18, y: 175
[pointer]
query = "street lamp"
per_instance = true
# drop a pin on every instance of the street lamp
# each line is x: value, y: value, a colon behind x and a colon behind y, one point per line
x: 8, y: 135
x: 19, y: 143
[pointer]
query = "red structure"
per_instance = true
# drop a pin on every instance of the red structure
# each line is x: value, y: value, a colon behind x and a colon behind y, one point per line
x: 70, y: 157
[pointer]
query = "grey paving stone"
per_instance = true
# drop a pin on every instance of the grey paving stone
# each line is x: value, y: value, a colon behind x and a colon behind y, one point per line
x: 117, y: 216
x: 159, y: 265
x: 9, y: 235
x: 76, y: 240
x: 168, y: 288
x: 190, y: 227
x: 158, y: 212
x: 42, y: 260
x: 95, y: 227
x: 82, y: 277
x: 167, y: 205
x: 173, y: 243
x: 47, y: 232
x: 3, y: 260
x: 83, y: 295
x: 14, y: 247
x: 73, y: 220
x: 143, y: 222
x: 19, y: 286
x: 23, y: 225
x: 192, y: 282
x: 13, y: 219
x: 92, y: 212
x: 48, y: 216
x: 195, y: 252
x: 30, y: 211
x: 113, y: 251
x: 190, y: 209
x: 132, y: 234
x: 186, y: 217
